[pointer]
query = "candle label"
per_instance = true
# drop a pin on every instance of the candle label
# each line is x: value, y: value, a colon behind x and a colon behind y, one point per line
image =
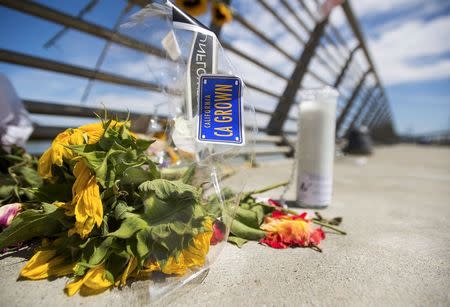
x: 220, y: 110
x: 315, y: 190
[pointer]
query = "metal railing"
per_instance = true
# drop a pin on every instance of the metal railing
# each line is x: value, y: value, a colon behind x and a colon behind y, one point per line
x: 366, y: 104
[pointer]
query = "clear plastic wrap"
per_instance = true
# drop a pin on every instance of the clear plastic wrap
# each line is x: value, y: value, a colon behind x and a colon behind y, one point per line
x: 183, y: 53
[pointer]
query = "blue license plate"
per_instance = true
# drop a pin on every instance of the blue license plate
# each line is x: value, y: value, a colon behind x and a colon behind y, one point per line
x: 220, y: 110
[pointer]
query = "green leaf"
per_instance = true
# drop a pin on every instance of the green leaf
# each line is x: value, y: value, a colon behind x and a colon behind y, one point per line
x: 237, y: 241
x: 136, y: 176
x: 247, y: 217
x: 96, y: 161
x: 6, y: 191
x: 122, y: 210
x: 165, y: 189
x: 100, y: 251
x: 259, y: 210
x: 158, y: 211
x: 143, y: 238
x: 245, y: 232
x: 173, y: 173
x: 33, y: 223
x: 116, y: 263
x: 142, y: 145
x: 51, y: 192
x: 129, y: 227
x: 189, y: 174
x: 28, y: 175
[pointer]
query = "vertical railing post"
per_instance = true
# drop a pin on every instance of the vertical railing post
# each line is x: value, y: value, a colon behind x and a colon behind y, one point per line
x: 375, y: 117
x: 359, y: 120
x: 346, y: 66
x: 281, y: 112
x: 348, y: 11
x: 371, y: 110
x: 351, y: 101
x: 363, y: 102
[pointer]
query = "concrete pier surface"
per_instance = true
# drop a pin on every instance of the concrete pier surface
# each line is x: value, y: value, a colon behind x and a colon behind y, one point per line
x: 396, y: 210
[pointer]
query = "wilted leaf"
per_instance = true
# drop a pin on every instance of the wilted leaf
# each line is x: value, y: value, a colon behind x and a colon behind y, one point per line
x: 189, y: 174
x: 129, y: 227
x: 136, y: 176
x: 247, y: 217
x: 121, y: 210
x: 245, y: 232
x: 50, y: 192
x: 237, y: 241
x: 165, y: 189
x: 33, y: 223
x: 100, y: 251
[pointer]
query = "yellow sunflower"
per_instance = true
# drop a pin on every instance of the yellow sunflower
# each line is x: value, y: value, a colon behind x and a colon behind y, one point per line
x: 93, y: 282
x: 221, y: 14
x: 45, y: 264
x: 193, y: 7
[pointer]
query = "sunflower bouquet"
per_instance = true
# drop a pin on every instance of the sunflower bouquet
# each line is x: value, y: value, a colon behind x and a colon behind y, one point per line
x: 106, y: 213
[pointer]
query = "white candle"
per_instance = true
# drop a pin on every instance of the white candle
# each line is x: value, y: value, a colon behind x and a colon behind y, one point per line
x: 315, y: 147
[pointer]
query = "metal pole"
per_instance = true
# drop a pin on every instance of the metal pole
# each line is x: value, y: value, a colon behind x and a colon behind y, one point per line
x: 350, y: 102
x: 261, y: 35
x: 363, y: 102
x: 104, y: 52
x: 346, y: 66
x: 321, y: 60
x: 361, y: 115
x: 60, y: 33
x: 41, y: 63
x: 372, y: 110
x: 49, y: 14
x: 375, y: 118
x: 278, y: 118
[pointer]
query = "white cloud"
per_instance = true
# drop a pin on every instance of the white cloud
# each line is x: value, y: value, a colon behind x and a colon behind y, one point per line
x: 398, y: 49
x: 368, y: 7
x: 399, y: 45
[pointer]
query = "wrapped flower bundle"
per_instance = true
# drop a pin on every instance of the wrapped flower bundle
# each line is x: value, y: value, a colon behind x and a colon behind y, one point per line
x: 106, y: 214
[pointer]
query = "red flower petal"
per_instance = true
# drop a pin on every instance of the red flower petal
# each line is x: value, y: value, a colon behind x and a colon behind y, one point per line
x: 285, y: 230
x: 278, y: 214
x: 218, y: 232
x: 273, y: 242
x: 300, y: 216
x: 317, y: 236
x: 274, y: 203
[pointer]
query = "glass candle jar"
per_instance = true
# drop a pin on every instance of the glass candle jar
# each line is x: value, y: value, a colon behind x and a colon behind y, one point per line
x: 316, y: 147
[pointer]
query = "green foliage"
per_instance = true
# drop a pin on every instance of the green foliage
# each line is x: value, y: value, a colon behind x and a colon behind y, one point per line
x: 18, y: 173
x: 171, y: 216
x: 248, y: 218
x: 144, y: 215
x: 239, y: 242
x: 34, y: 223
x: 243, y: 231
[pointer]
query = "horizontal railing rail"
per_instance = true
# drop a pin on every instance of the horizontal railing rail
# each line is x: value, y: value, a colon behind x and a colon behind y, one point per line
x: 321, y: 42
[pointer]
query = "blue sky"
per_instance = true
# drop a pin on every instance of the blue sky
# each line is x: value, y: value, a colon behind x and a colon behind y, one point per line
x: 415, y: 64
x: 408, y: 40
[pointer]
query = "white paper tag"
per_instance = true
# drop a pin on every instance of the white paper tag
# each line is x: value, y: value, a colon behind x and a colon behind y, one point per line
x: 183, y: 134
x: 171, y: 46
x: 314, y: 190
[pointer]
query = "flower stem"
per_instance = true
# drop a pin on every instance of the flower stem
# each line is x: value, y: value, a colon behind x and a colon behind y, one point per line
x: 268, y: 188
x: 329, y: 226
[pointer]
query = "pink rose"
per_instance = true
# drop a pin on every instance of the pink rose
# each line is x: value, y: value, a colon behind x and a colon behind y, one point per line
x: 8, y: 212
